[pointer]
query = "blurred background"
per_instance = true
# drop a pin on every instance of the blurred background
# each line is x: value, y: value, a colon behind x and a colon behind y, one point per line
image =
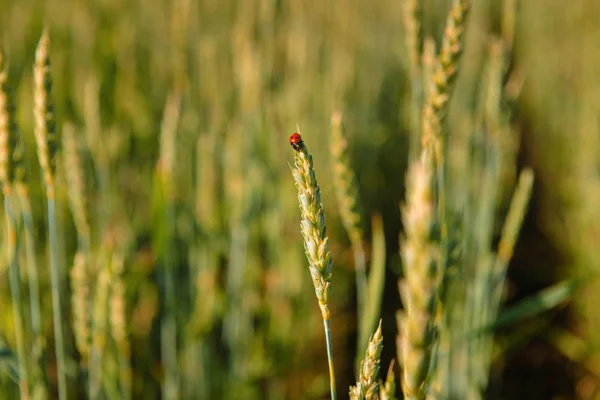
x: 216, y: 202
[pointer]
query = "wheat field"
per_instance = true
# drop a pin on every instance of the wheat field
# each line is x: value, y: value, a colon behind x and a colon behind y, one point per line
x: 432, y: 233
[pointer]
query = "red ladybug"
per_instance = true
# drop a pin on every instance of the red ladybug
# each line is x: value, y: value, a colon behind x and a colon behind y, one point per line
x: 296, y: 141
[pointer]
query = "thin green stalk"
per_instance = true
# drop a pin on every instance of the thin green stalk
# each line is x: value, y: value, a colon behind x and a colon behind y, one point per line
x: 510, y: 232
x: 168, y: 330
x: 56, y: 298
x: 166, y: 162
x: 32, y: 271
x: 38, y: 348
x: 375, y: 286
x: 326, y: 323
x: 15, y: 288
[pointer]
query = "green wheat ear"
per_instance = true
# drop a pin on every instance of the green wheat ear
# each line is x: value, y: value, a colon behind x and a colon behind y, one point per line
x: 8, y: 142
x: 422, y: 275
x: 316, y: 243
x: 367, y: 387
x: 346, y: 190
x: 45, y: 119
x: 47, y: 149
x: 10, y: 151
x: 444, y: 74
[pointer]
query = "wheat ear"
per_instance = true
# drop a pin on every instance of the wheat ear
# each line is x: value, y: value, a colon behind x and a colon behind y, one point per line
x: 367, y: 387
x: 47, y: 148
x: 442, y: 81
x: 388, y: 389
x: 13, y: 176
x: 8, y: 140
x: 347, y: 196
x: 422, y: 275
x: 316, y: 243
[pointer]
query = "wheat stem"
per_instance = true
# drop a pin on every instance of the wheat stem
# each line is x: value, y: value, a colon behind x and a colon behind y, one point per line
x: 15, y: 288
x: 165, y: 167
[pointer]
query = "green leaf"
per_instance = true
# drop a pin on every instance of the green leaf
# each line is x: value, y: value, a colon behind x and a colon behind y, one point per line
x: 533, y: 305
x: 376, y: 283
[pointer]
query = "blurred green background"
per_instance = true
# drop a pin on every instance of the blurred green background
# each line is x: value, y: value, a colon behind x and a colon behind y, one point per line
x: 246, y: 72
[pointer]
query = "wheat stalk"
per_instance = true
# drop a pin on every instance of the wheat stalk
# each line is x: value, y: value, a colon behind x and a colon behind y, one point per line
x: 47, y: 148
x: 347, y: 197
x: 118, y: 324
x: 316, y: 243
x: 367, y: 387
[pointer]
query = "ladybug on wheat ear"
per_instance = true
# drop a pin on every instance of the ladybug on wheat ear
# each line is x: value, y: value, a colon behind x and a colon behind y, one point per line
x: 296, y: 141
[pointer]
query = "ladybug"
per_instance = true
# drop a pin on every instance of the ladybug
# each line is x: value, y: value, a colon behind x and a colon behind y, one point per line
x: 296, y: 141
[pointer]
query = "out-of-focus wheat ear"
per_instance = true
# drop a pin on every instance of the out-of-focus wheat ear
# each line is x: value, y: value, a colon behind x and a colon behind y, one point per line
x: 346, y: 190
x: 413, y: 33
x: 10, y: 158
x: 47, y: 148
x: 428, y: 60
x: 165, y: 175
x: 45, y: 118
x: 81, y: 304
x: 8, y: 139
x: 76, y: 185
x: 99, y: 319
x: 13, y: 173
x: 367, y: 387
x: 421, y: 255
x: 509, y: 17
x: 118, y: 325
x: 316, y: 243
x: 388, y: 389
x: 442, y: 81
